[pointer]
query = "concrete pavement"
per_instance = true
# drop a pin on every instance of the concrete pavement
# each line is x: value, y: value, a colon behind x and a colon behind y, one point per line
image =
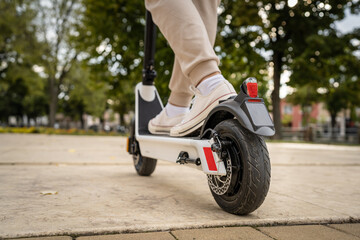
x: 298, y: 232
x: 80, y: 185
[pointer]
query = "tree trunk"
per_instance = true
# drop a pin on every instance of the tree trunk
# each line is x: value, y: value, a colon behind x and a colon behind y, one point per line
x: 53, y: 92
x: 333, y: 124
x: 102, y: 123
x: 275, y: 95
x: 121, y: 119
x: 18, y: 121
x: 82, y: 121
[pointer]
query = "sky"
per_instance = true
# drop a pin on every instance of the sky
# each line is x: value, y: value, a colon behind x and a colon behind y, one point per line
x: 348, y: 23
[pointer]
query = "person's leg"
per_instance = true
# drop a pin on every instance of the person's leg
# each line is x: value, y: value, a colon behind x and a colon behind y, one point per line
x: 210, y: 88
x: 208, y: 13
x: 184, y: 28
x: 181, y: 94
x: 190, y: 28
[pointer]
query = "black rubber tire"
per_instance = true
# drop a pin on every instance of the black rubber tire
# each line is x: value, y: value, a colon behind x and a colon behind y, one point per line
x: 251, y: 179
x: 144, y: 166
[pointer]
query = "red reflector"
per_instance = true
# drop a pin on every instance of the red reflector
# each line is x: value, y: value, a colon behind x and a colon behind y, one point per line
x: 210, y: 159
x: 252, y: 89
x: 254, y: 100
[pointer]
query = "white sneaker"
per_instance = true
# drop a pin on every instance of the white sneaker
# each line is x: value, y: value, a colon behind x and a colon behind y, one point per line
x: 201, y: 107
x: 161, y: 124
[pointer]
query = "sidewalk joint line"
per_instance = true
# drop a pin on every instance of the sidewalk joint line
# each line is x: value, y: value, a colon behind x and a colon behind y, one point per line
x: 256, y: 228
x: 340, y: 230
x: 173, y: 235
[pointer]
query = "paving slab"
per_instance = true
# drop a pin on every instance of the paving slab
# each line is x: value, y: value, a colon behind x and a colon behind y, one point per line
x: 318, y: 232
x: 233, y: 233
x: 68, y: 149
x: 306, y: 154
x: 62, y: 149
x: 65, y: 185
x: 95, y: 199
x: 352, y: 228
x: 131, y: 236
x: 46, y: 238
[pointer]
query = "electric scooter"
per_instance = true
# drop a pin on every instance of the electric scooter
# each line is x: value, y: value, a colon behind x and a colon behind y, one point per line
x: 229, y: 147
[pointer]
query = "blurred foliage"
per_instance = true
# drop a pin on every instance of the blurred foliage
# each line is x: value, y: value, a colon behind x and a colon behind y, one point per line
x: 119, y: 48
x: 286, y: 120
x: 82, y: 93
x: 53, y: 131
x: 328, y: 71
x: 112, y: 33
x: 305, y: 96
x: 84, y: 56
x: 281, y: 31
x: 22, y: 91
x: 55, y: 21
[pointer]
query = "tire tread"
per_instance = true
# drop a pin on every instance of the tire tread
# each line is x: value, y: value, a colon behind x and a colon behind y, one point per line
x: 253, y: 194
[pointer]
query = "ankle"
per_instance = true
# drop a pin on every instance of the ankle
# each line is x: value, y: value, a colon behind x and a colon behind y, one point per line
x: 174, y: 111
x: 207, y: 85
x: 208, y: 76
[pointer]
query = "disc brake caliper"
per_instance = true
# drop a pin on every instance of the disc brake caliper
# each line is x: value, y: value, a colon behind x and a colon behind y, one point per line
x: 220, y: 146
x: 221, y: 184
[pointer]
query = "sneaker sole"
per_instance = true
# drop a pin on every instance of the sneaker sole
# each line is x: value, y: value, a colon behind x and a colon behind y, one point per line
x: 159, y: 130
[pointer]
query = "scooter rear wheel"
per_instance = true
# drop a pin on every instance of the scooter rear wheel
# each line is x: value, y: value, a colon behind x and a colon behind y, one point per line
x: 245, y: 188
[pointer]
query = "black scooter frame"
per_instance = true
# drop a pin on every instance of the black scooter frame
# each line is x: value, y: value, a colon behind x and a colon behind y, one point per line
x: 149, y: 72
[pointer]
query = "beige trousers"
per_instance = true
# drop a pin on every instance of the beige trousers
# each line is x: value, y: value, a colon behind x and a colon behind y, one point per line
x: 190, y: 28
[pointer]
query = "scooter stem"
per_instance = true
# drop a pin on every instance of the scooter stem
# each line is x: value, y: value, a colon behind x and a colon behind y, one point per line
x: 149, y: 72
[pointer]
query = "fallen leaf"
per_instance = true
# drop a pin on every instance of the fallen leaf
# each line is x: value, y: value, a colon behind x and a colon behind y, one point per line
x: 49, y: 192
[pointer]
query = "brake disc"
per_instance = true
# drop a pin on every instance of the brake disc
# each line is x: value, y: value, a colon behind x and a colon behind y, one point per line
x: 220, y: 184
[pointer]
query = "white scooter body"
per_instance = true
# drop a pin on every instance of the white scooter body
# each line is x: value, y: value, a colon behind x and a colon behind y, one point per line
x: 168, y: 148
x: 228, y: 147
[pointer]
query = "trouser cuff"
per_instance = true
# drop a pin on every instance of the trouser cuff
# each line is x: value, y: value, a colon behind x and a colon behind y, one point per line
x: 202, y: 70
x: 180, y: 99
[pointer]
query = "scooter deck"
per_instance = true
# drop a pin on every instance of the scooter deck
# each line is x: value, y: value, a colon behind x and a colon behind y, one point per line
x: 148, y: 105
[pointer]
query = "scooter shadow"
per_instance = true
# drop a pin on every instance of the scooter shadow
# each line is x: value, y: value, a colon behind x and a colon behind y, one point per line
x: 183, y: 191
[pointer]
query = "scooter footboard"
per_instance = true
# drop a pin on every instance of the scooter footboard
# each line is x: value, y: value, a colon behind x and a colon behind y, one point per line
x: 169, y: 149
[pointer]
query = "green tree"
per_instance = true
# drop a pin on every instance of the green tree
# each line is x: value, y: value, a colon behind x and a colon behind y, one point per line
x: 282, y: 30
x: 55, y: 21
x: 331, y: 67
x: 21, y: 89
x: 83, y: 93
x: 305, y: 96
x: 239, y: 60
x: 112, y: 33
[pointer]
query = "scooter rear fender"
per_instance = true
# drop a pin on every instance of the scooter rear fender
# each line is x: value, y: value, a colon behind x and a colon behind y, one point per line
x: 250, y: 112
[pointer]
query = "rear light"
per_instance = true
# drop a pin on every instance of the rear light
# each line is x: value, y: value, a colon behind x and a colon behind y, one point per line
x: 251, y: 87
